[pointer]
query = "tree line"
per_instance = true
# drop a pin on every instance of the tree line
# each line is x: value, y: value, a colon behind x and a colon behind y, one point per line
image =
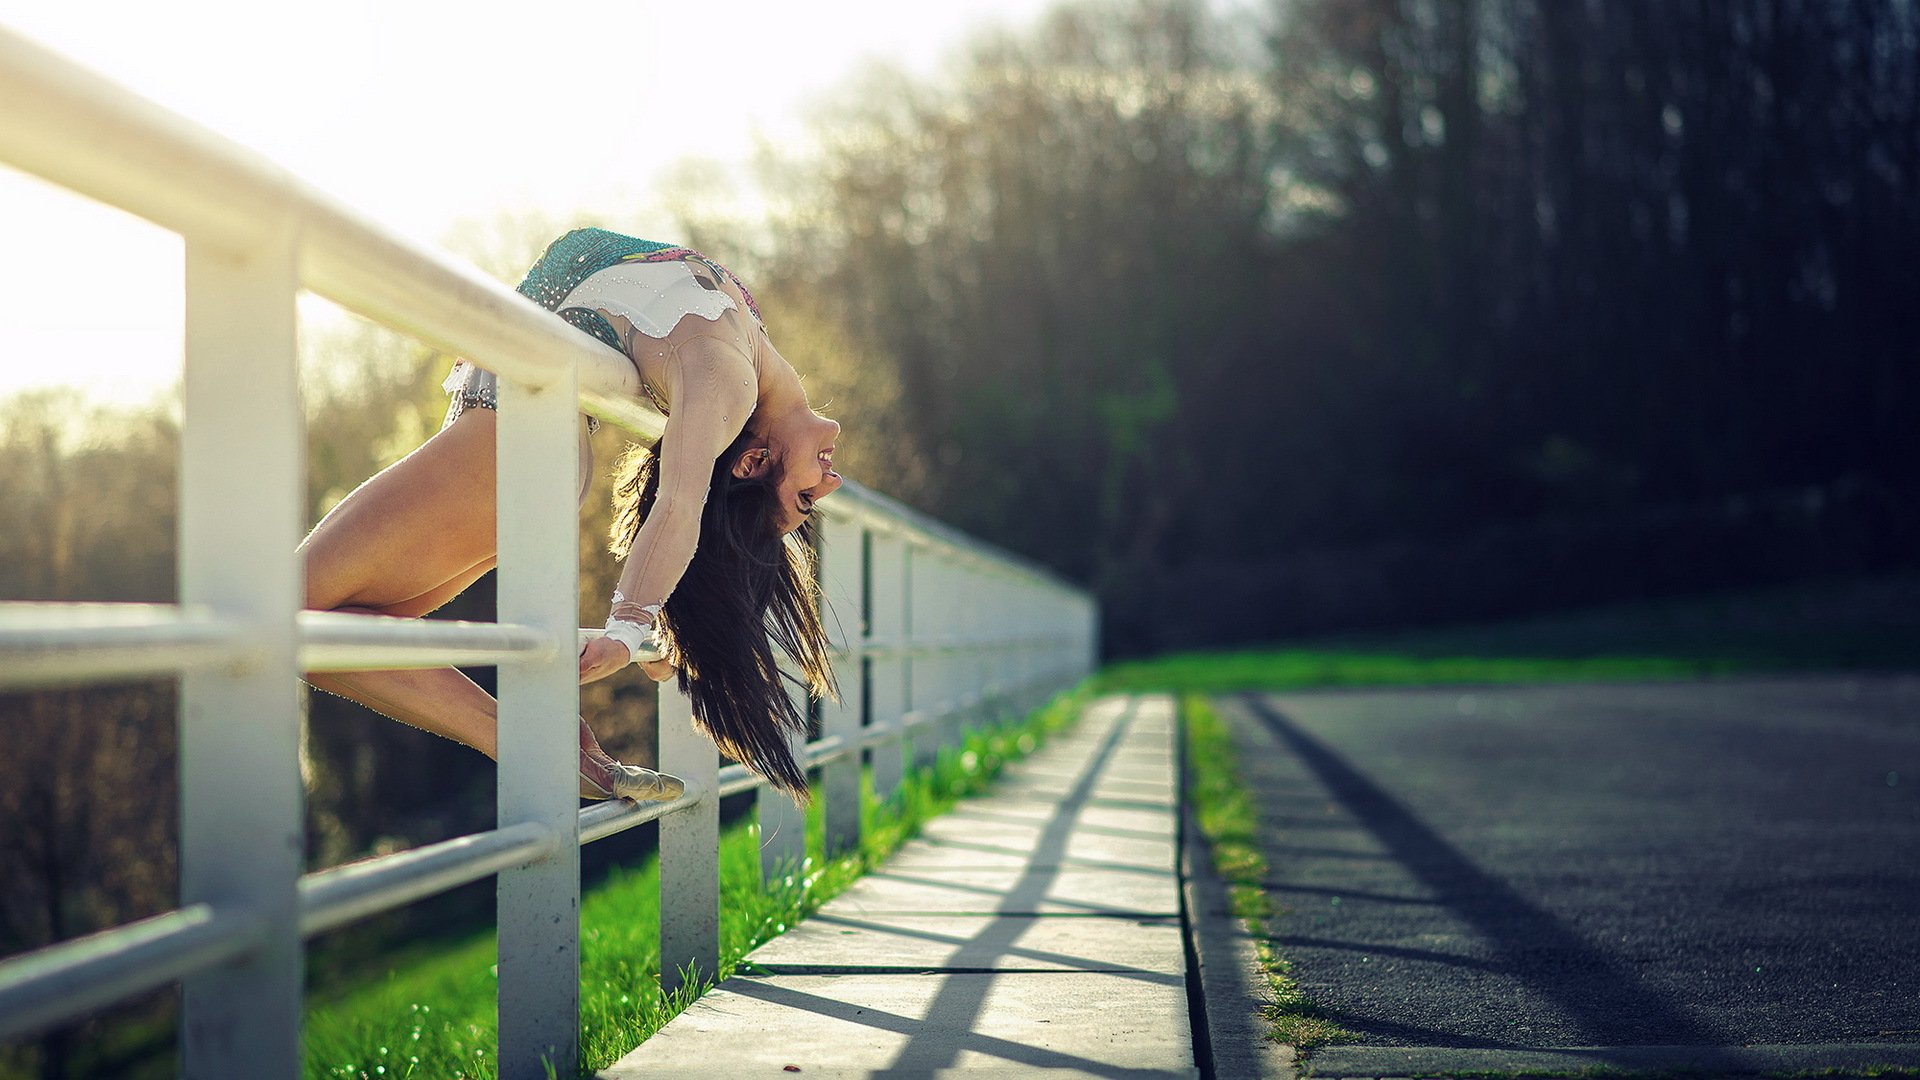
x: 1557, y: 302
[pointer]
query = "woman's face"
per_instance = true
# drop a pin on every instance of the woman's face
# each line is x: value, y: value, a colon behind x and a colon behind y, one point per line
x: 800, y: 447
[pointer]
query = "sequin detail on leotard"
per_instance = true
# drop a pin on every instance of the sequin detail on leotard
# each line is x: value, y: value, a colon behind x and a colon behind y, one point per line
x: 583, y: 253
x: 567, y: 262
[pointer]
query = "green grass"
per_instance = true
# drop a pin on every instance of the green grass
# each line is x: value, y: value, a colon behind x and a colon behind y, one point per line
x: 1835, y: 625
x: 1226, y: 816
x: 1874, y: 1071
x: 431, y: 1014
x: 1291, y: 669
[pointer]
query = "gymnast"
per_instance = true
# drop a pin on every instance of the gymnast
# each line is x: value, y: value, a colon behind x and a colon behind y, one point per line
x: 714, y: 520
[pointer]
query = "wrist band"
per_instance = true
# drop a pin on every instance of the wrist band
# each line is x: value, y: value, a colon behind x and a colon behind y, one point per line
x: 642, y: 642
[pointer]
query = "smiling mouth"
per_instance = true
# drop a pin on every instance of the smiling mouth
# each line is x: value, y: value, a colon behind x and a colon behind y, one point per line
x: 826, y: 460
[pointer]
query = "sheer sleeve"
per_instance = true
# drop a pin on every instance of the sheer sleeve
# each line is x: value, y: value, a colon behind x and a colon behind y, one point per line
x: 710, y: 382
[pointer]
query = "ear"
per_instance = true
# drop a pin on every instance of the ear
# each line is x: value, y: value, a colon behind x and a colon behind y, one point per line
x: 754, y: 463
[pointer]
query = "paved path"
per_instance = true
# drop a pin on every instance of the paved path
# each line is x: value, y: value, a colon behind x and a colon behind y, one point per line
x: 1033, y: 931
x: 1544, y: 877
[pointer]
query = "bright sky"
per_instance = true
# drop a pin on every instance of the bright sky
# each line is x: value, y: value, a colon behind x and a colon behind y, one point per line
x: 421, y: 113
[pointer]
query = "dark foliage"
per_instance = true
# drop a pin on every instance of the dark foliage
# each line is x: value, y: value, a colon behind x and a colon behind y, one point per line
x: 1172, y: 290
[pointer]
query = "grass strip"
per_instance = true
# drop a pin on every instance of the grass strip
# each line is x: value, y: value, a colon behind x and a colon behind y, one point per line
x: 433, y: 1015
x: 1306, y: 668
x: 1225, y: 814
x: 1859, y: 624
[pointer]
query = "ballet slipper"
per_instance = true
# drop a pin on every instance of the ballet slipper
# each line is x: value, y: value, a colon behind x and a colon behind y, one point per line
x: 610, y: 779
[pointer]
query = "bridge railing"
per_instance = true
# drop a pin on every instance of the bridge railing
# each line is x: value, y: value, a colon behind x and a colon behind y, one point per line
x: 930, y: 627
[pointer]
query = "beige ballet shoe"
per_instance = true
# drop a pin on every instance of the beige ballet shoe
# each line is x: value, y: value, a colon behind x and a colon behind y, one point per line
x: 609, y: 779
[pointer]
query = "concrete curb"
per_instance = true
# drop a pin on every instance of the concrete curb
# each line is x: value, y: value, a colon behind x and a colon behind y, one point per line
x: 1229, y: 988
x: 1392, y: 1061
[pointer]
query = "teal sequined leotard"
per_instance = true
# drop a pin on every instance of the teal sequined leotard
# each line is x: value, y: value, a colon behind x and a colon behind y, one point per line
x: 566, y: 263
x: 582, y: 253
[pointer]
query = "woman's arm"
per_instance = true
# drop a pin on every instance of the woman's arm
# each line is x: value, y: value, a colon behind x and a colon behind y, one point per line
x: 711, y: 384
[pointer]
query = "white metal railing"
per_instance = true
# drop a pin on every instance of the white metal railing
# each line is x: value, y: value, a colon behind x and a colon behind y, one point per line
x: 930, y: 626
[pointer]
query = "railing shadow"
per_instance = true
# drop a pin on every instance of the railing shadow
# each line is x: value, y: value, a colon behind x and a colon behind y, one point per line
x: 952, y: 1041
x: 947, y: 1027
x: 1608, y: 1003
x: 968, y: 948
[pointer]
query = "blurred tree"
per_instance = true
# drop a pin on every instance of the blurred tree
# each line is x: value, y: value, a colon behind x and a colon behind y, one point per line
x: 87, y: 828
x: 87, y: 780
x: 1049, y: 249
x: 1420, y: 270
x: 1634, y: 237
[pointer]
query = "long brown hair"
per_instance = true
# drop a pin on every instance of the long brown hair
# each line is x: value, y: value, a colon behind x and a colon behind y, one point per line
x: 747, y: 589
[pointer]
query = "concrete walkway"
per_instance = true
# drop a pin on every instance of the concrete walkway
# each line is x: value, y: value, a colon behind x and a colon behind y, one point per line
x: 1031, y: 931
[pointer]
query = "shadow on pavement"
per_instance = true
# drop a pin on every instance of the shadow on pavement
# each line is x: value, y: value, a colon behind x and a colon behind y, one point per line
x: 1608, y: 1003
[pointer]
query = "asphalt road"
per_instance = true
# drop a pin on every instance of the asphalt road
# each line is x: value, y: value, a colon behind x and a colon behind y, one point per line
x: 1718, y: 863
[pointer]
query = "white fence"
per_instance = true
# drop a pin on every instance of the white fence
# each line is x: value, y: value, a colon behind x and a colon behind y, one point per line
x: 929, y: 625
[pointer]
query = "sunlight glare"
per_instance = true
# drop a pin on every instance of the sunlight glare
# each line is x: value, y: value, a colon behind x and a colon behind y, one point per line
x: 420, y: 115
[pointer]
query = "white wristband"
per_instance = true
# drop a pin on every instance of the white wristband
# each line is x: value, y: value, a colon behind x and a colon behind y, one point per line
x: 642, y: 642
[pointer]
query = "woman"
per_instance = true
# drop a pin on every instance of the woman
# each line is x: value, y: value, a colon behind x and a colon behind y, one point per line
x: 713, y: 522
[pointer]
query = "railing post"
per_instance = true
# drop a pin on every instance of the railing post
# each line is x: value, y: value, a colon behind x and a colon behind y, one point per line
x: 689, y: 851
x: 1088, y: 624
x: 914, y: 748
x: 887, y: 675
x: 840, y: 780
x: 972, y: 589
x: 537, y: 463
x: 783, y: 823
x: 923, y: 665
x: 242, y: 485
x: 945, y: 599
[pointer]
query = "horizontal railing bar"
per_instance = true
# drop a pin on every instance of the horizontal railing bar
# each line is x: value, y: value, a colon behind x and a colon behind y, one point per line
x: 943, y: 646
x: 834, y: 747
x: 601, y: 820
x: 61, y: 982
x: 735, y: 779
x: 64, y: 644
x: 821, y: 751
x: 340, y: 641
x: 85, y: 132
x: 455, y: 308
x: 877, y: 735
x: 862, y: 505
x: 97, y: 138
x: 332, y: 898
x: 898, y: 650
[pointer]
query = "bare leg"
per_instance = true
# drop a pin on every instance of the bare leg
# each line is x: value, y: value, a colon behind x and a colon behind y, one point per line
x: 404, y: 543
x: 440, y: 700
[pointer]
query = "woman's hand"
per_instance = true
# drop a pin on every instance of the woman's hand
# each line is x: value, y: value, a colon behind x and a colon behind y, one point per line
x: 602, y: 657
